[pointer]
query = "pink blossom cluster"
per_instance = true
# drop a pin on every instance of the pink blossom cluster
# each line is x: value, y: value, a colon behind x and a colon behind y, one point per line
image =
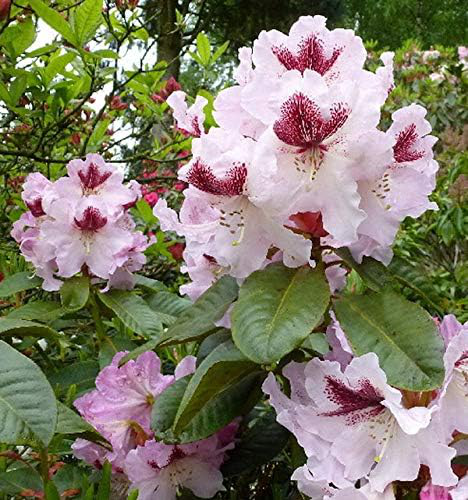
x: 120, y: 409
x: 81, y: 223
x: 298, y: 158
x: 355, y: 428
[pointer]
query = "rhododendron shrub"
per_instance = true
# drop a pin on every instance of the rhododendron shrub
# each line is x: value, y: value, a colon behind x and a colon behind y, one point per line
x: 295, y: 367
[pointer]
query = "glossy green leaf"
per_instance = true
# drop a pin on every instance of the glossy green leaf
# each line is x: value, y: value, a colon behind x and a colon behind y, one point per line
x: 149, y: 283
x: 168, y: 303
x: 133, y: 311
x: 74, y: 293
x: 23, y: 328
x: 18, y: 282
x: 27, y: 402
x: 200, y: 318
x: 401, y: 333
x: 277, y: 309
x: 224, y: 367
x: 37, y: 310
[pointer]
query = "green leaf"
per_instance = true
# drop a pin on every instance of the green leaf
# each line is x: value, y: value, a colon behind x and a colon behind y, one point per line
x: 17, y: 88
x: 53, y: 19
x: 149, y: 283
x: 74, y: 293
x: 199, y: 319
x: 27, y: 402
x: 18, y: 282
x: 147, y: 346
x: 211, y: 342
x: 277, y: 309
x: 37, y: 310
x: 224, y: 367
x: 402, y: 334
x: 56, y: 65
x: 374, y: 274
x: 220, y: 51
x: 259, y: 445
x: 165, y: 408
x: 21, y: 328
x: 81, y: 374
x: 104, y: 488
x: 236, y: 400
x: 133, y: 311
x: 19, y: 36
x: 69, y: 422
x: 87, y: 19
x: 204, y: 49
x: 144, y: 209
x: 14, y: 481
x: 51, y: 492
x: 169, y: 303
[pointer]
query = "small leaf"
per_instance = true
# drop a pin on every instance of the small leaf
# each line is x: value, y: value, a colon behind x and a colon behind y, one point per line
x: 220, y: 51
x: 53, y: 19
x: 56, y: 65
x: 143, y: 207
x: 87, y: 19
x: 51, y: 492
x: 204, y: 49
x: 278, y: 307
x: 133, y: 311
x: 104, y: 488
x: 18, y: 282
x: 27, y: 402
x: 402, y: 334
x: 74, y: 293
x: 200, y: 318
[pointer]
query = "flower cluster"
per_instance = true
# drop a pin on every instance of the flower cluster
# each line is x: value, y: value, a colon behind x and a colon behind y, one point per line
x: 81, y: 223
x: 298, y: 159
x: 120, y: 409
x: 354, y: 427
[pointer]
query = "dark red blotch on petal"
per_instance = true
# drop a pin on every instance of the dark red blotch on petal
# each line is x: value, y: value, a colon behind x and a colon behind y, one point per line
x: 403, y: 148
x: 302, y: 124
x: 310, y: 222
x: 35, y: 207
x: 91, y: 221
x: 202, y: 177
x: 356, y: 404
x: 92, y: 177
x: 310, y: 55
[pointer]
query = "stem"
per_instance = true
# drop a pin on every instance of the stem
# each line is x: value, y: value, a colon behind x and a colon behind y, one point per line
x: 44, y: 466
x: 100, y: 329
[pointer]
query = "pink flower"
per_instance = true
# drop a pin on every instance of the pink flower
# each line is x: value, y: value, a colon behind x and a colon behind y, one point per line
x: 34, y: 188
x: 403, y: 187
x: 120, y: 406
x: 92, y: 178
x: 354, y: 418
x: 451, y: 402
x: 458, y: 492
x: 158, y: 470
x: 220, y: 216
x: 188, y: 119
x: 117, y: 104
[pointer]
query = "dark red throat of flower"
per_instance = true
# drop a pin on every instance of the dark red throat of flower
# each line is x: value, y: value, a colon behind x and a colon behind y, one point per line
x: 92, y: 177
x: 92, y: 220
x: 302, y: 124
x: 403, y: 149
x: 35, y: 207
x: 310, y: 222
x: 354, y: 404
x: 202, y: 177
x: 310, y: 55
